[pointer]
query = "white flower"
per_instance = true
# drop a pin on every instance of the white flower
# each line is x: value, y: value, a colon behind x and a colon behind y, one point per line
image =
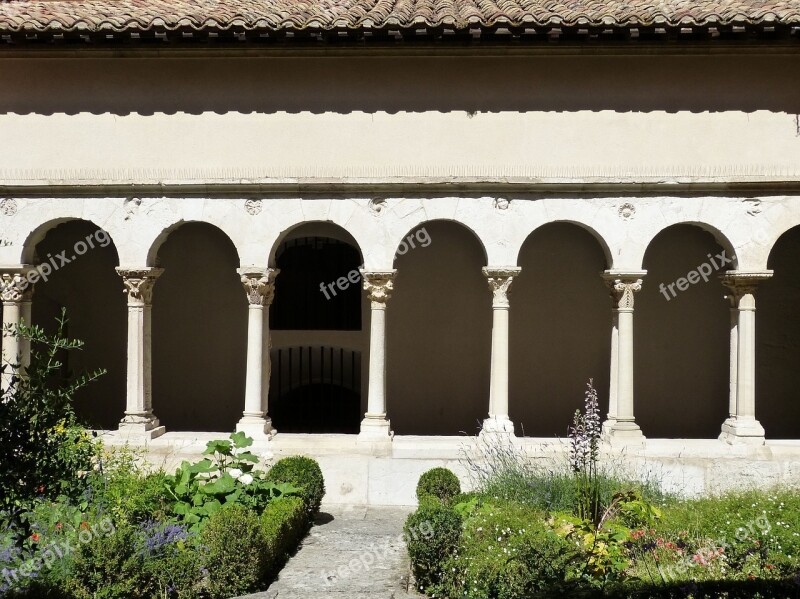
x: 246, y: 479
x: 235, y: 472
x: 267, y: 455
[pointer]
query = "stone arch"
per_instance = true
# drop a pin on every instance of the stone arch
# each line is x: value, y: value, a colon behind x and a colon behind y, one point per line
x: 88, y: 288
x: 600, y: 240
x: 38, y: 233
x: 439, y: 334
x: 682, y: 335
x: 721, y: 238
x: 778, y: 339
x: 411, y: 239
x: 199, y: 330
x: 161, y: 238
x: 327, y: 227
x: 560, y: 327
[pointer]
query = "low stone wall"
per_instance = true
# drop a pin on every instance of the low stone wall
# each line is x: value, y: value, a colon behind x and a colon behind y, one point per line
x: 358, y: 474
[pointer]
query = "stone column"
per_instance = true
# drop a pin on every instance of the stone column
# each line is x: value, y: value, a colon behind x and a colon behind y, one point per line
x: 259, y: 285
x: 16, y: 290
x: 375, y: 425
x: 621, y: 423
x: 741, y: 425
x: 139, y: 418
x: 500, y: 280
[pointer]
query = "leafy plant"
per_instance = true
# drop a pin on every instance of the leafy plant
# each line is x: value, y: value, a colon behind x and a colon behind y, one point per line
x: 283, y: 522
x: 44, y: 451
x: 304, y: 473
x: 440, y: 483
x: 226, y: 478
x: 428, y: 552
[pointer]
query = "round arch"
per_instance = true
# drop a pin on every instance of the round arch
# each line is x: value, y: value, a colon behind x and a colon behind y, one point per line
x: 419, y: 237
x: 322, y: 228
x: 721, y: 239
x: 161, y: 238
x: 595, y: 234
x: 99, y: 238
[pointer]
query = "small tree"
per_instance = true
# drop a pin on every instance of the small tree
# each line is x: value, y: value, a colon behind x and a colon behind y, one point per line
x: 42, y: 446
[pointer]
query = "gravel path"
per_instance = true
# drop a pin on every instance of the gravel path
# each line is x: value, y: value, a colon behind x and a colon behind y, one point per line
x: 350, y: 553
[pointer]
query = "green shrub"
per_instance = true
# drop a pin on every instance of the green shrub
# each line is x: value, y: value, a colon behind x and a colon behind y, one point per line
x: 440, y: 483
x: 109, y: 567
x: 228, y: 477
x: 127, y: 490
x: 42, y: 447
x: 432, y: 534
x: 301, y: 472
x: 237, y: 552
x: 283, y: 523
x: 506, y: 551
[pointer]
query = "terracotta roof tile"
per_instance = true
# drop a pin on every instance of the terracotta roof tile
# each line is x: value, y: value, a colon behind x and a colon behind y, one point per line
x: 97, y: 16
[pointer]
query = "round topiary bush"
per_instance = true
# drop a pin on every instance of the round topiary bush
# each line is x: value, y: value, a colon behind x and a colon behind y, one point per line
x: 304, y: 473
x: 237, y: 552
x: 432, y: 534
x: 440, y: 483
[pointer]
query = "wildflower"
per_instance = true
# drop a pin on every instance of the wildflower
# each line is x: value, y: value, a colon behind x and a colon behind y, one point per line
x: 35, y: 537
x: 235, y: 472
x: 246, y: 479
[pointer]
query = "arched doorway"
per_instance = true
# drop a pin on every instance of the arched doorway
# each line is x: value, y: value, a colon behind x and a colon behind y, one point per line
x: 778, y: 341
x: 93, y: 295
x: 682, y: 336
x: 316, y: 325
x: 560, y: 329
x: 199, y: 331
x: 439, y: 341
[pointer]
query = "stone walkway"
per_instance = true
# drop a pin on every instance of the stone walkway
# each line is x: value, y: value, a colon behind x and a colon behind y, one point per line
x: 350, y: 553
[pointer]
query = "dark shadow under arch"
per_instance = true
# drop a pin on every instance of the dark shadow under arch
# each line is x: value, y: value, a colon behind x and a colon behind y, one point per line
x: 93, y: 295
x: 439, y: 335
x: 778, y: 341
x: 560, y: 329
x: 199, y: 331
x: 681, y: 339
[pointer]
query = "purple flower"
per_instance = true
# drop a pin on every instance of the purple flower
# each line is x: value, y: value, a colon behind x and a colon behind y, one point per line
x: 157, y: 535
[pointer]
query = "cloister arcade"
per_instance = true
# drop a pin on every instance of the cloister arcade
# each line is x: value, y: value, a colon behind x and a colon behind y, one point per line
x: 309, y: 315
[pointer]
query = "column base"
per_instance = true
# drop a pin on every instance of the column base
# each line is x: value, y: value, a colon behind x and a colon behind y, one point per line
x: 375, y: 427
x: 142, y: 426
x: 625, y: 432
x: 742, y: 430
x: 256, y: 427
x: 608, y: 425
x: 497, y: 425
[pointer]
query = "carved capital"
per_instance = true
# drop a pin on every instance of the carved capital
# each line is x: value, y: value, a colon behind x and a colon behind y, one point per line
x: 15, y: 286
x: 259, y: 284
x: 139, y: 284
x: 744, y: 283
x: 500, y: 280
x: 623, y: 286
x: 379, y: 286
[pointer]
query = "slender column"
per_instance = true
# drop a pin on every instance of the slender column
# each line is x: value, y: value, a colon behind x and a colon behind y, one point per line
x: 16, y: 290
x: 139, y: 418
x: 500, y: 280
x: 379, y: 286
x: 614, y: 374
x: 623, y: 286
x: 259, y: 285
x: 742, y: 426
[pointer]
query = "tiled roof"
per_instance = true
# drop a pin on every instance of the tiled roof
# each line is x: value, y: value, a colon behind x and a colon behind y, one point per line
x: 321, y: 17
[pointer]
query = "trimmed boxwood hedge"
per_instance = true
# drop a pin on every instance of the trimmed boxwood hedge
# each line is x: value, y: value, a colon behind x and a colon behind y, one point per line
x: 302, y: 472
